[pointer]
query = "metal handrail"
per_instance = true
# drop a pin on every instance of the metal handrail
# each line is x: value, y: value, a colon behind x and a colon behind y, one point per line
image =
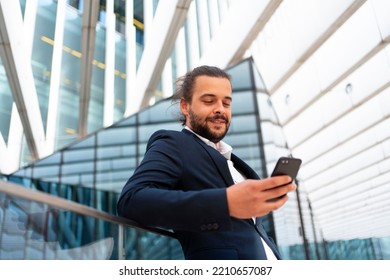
x: 13, y: 189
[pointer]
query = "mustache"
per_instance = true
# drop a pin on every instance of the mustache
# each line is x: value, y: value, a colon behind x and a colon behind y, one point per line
x: 218, y: 117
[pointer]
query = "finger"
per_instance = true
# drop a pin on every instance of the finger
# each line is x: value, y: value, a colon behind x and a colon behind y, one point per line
x: 276, y: 181
x: 277, y: 202
x: 281, y: 191
x: 272, y: 205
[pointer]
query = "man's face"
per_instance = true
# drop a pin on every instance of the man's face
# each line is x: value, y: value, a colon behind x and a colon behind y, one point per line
x: 209, y: 113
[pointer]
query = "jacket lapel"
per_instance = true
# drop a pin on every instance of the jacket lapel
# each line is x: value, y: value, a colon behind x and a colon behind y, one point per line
x: 219, y: 160
x: 240, y: 165
x: 266, y: 238
x: 251, y: 174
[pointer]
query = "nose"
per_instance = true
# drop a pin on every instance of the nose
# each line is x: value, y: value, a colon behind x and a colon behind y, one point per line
x: 219, y: 108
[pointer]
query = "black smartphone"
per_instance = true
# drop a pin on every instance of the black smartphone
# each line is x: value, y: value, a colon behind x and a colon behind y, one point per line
x: 287, y: 166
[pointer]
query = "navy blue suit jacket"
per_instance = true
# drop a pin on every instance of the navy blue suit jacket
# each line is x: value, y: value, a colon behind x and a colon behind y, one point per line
x: 181, y: 185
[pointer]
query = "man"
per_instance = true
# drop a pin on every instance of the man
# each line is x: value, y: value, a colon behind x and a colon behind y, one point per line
x: 191, y: 182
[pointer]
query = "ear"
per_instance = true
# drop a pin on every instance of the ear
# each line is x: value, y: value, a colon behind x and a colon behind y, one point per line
x: 184, y: 107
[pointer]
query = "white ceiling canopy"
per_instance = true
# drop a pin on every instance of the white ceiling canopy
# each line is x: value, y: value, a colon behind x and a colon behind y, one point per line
x: 326, y: 65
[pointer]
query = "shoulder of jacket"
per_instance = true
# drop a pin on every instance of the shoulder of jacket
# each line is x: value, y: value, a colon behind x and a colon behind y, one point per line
x: 168, y: 135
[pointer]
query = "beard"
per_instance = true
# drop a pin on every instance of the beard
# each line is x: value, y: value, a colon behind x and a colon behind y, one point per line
x: 200, y: 126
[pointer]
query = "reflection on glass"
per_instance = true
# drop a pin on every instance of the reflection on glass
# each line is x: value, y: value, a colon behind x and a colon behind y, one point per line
x: 36, y: 231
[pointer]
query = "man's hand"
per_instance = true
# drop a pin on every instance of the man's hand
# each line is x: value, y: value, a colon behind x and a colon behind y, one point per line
x: 255, y: 198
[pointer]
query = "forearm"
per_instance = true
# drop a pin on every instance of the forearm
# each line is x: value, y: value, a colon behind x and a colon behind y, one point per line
x: 175, y: 209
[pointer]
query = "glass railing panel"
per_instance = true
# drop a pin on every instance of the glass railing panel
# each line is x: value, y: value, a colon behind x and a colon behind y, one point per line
x: 32, y: 229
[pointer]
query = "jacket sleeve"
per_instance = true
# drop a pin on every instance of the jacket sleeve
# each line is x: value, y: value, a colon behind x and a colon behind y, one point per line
x: 154, y: 196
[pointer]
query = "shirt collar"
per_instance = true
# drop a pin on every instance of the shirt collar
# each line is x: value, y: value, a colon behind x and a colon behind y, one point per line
x: 222, y: 147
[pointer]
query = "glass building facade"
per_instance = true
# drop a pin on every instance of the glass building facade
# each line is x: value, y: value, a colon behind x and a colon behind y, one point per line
x: 83, y: 84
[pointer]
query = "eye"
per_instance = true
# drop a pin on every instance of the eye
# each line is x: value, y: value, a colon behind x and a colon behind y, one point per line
x: 208, y: 101
x: 227, y: 103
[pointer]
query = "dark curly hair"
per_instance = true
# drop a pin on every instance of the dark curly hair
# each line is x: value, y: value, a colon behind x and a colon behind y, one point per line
x: 185, y: 84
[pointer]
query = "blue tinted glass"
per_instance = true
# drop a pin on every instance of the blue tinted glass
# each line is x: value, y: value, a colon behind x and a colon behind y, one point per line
x: 243, y: 102
x: 241, y: 77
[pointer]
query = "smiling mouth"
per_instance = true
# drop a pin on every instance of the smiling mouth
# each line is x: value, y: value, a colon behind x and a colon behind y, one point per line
x: 217, y: 120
